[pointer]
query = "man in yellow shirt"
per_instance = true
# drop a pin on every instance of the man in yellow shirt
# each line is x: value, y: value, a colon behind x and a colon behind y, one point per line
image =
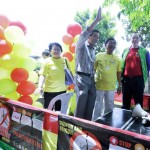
x: 108, y: 72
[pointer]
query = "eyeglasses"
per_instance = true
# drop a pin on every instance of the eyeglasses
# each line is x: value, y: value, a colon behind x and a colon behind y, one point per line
x: 56, y: 49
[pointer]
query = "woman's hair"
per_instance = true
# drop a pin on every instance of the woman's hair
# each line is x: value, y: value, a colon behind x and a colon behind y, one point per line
x: 56, y: 44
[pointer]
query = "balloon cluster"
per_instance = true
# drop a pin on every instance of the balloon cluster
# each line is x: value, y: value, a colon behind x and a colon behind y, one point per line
x: 69, y: 40
x: 17, y: 78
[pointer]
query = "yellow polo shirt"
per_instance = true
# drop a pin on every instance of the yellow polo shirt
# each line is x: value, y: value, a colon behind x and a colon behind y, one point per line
x: 53, y: 70
x: 106, y: 67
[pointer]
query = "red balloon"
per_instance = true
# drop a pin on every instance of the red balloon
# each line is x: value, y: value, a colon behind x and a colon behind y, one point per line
x: 19, y: 24
x: 2, y: 33
x: 26, y: 88
x: 19, y: 75
x: 67, y: 39
x: 4, y: 21
x: 74, y: 29
x: 68, y: 55
x: 5, y: 47
x: 26, y: 99
x: 72, y: 48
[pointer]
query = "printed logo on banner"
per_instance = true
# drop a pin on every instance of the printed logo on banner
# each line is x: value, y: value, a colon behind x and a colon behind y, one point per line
x: 114, y: 142
x: 84, y: 140
x: 139, y: 147
x: 21, y: 127
x: 78, y: 134
x: 73, y: 137
x: 16, y: 116
x: 4, y: 122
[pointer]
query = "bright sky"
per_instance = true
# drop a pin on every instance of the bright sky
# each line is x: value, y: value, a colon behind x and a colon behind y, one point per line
x: 46, y: 20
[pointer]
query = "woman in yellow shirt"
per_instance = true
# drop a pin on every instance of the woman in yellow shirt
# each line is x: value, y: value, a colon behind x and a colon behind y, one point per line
x: 52, y: 76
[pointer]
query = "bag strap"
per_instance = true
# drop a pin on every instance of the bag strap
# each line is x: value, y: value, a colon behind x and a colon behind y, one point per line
x: 66, y: 63
x: 68, y: 67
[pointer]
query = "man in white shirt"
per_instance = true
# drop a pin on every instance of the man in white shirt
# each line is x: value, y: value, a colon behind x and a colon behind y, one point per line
x: 84, y: 78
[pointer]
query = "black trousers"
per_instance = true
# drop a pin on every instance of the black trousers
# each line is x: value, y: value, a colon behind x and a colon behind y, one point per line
x: 132, y: 87
x: 48, y: 96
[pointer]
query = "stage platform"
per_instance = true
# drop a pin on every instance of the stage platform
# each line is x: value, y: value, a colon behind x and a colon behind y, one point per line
x: 121, y: 118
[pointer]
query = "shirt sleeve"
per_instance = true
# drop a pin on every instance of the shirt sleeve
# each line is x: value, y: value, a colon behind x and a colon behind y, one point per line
x: 83, y: 37
x: 43, y: 70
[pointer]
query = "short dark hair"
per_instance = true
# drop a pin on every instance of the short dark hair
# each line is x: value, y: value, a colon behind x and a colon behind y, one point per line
x: 56, y: 44
x: 95, y: 30
x: 109, y: 39
x: 46, y: 52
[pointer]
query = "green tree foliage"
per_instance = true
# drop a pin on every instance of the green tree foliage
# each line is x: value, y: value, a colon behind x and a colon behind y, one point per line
x: 138, y: 13
x: 106, y: 26
x: 144, y: 31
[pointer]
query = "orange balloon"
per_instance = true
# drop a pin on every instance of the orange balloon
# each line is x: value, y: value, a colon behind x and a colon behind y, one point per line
x: 71, y: 87
x: 2, y: 33
x: 4, y: 21
x: 19, y: 75
x: 5, y: 47
x: 26, y: 88
x: 26, y: 99
x: 74, y: 29
x: 72, y: 48
x: 67, y: 39
x: 68, y: 55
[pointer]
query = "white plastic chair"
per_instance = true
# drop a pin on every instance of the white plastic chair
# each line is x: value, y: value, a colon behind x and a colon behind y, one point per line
x: 65, y: 97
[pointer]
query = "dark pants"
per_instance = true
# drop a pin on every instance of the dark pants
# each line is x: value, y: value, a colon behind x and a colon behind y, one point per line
x: 49, y: 96
x: 132, y: 87
x: 86, y: 95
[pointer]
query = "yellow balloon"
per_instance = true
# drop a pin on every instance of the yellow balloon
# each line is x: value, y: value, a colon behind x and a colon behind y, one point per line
x: 4, y: 73
x: 33, y: 76
x: 28, y: 63
x: 14, y: 34
x: 37, y: 104
x: 65, y: 48
x: 72, y: 104
x: 72, y: 65
x: 76, y: 38
x: 21, y: 50
x: 13, y: 96
x: 9, y: 61
x: 35, y: 96
x: 7, y: 86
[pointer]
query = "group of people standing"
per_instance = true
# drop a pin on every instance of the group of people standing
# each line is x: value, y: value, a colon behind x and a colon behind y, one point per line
x: 96, y: 75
